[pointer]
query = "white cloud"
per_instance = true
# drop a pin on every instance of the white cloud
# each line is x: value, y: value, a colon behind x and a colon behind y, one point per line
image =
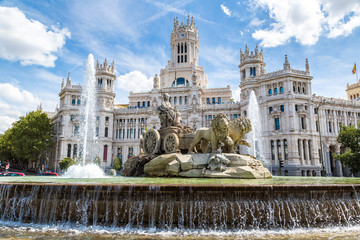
x: 225, y: 10
x: 236, y: 94
x: 306, y: 20
x: 135, y: 81
x: 27, y: 40
x: 14, y: 103
x: 228, y: 56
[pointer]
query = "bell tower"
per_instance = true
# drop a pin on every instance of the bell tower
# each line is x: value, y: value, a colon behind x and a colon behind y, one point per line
x: 184, y: 61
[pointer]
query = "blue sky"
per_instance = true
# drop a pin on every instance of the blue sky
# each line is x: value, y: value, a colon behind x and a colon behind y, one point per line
x: 41, y: 41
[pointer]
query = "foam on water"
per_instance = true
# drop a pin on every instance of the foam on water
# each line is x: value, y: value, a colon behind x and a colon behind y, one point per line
x: 87, y: 171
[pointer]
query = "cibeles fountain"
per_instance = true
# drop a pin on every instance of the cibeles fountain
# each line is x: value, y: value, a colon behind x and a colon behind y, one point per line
x: 177, y: 151
x: 198, y: 185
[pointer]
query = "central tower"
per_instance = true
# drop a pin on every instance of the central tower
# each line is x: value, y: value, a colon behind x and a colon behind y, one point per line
x: 184, y: 43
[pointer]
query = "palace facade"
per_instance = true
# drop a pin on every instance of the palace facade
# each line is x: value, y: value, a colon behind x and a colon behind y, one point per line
x: 293, y: 119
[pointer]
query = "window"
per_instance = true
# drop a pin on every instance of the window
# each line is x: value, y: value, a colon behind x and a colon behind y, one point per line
x: 213, y: 100
x: 120, y: 132
x: 131, y: 152
x: 309, y: 149
x: 235, y: 115
x: 75, y: 150
x: 285, y: 149
x: 282, y: 108
x: 219, y: 100
x: 315, y: 110
x: 73, y: 102
x: 272, y: 150
x: 105, y: 153
x: 78, y: 101
x: 139, y: 104
x: 148, y: 103
x: 304, y: 149
x: 143, y: 103
x: 106, y: 119
x: 131, y: 133
x: 180, y: 100
x: 303, y: 123
x: 185, y: 100
x: 185, y: 48
x: 294, y: 89
x: 97, y: 131
x: 208, y: 100
x: 178, y: 59
x: 69, y: 151
x: 100, y: 82
x: 279, y: 149
x: 281, y: 89
x: 178, y: 47
x: 76, y: 130
x: 72, y: 117
x: 108, y: 83
x: 270, y: 109
x: 277, y: 124
x: 119, y: 153
x: 275, y: 90
x: 185, y: 58
x: 252, y: 71
x: 317, y: 125
x: 270, y: 92
x: 175, y: 100
x: 296, y: 107
x: 329, y: 126
x: 106, y: 132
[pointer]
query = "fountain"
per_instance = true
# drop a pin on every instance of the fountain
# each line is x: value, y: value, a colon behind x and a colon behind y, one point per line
x: 254, y: 136
x: 89, y: 147
x: 209, y: 206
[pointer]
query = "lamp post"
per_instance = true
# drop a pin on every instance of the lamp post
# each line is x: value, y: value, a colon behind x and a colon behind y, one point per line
x: 316, y: 108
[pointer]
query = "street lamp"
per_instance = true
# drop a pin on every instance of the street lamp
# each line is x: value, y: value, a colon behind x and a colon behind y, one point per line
x: 316, y: 109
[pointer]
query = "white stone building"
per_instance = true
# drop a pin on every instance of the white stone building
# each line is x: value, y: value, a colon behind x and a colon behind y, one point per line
x: 291, y: 116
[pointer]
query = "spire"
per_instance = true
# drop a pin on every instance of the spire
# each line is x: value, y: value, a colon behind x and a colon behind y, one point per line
x: 307, y: 69
x: 97, y: 63
x: 105, y: 63
x: 62, y: 84
x: 68, y: 81
x: 39, y: 108
x: 156, y: 81
x: 286, y: 63
x: 188, y: 20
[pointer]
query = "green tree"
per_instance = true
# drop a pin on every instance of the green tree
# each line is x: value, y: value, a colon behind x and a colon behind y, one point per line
x: 28, y: 139
x: 350, y: 138
x: 66, y: 163
x: 117, y: 164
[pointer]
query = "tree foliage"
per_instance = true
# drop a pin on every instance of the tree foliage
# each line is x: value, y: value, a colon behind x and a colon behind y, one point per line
x: 117, y: 164
x: 66, y: 163
x: 28, y: 138
x: 350, y: 138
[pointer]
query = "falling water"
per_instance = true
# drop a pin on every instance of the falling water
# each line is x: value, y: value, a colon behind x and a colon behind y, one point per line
x: 89, y: 147
x: 254, y: 136
x: 87, y: 113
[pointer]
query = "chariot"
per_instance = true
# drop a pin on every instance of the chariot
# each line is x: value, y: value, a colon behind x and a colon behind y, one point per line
x: 173, y: 139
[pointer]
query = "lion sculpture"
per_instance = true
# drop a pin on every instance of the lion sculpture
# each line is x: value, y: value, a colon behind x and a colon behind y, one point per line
x: 216, y: 134
x: 236, y: 131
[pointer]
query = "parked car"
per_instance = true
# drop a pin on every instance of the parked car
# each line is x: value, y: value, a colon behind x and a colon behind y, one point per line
x: 48, y: 174
x: 11, y: 174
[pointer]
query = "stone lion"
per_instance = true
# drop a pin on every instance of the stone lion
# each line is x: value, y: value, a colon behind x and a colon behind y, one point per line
x: 238, y: 128
x: 216, y: 134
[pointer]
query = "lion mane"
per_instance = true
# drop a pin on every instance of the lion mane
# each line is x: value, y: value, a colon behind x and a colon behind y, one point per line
x: 221, y: 126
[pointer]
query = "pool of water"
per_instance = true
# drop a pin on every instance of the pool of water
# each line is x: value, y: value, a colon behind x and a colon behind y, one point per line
x: 183, y: 181
x: 51, y: 232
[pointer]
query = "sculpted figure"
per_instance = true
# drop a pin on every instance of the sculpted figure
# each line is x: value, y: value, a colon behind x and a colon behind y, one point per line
x: 168, y: 115
x: 238, y: 128
x: 218, y: 162
x: 216, y: 134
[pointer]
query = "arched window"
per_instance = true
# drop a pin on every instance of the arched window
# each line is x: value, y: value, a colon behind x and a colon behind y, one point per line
x: 178, y: 49
x: 310, y: 151
x: 175, y: 100
x: 185, y: 100
x: 279, y: 149
x: 75, y: 150
x: 275, y: 90
x: 219, y: 100
x: 329, y: 126
x: 304, y: 149
x: 303, y: 90
x: 182, y: 48
x: 285, y: 149
x: 282, y: 108
x: 105, y: 153
x: 270, y: 109
x: 270, y: 92
x: 185, y: 49
x: 73, y: 101
x: 69, y: 150
x: 78, y: 102
x: 97, y: 131
x: 213, y: 100
x: 178, y: 59
x: 277, y: 124
x: 106, y: 132
x: 281, y: 89
x: 272, y: 150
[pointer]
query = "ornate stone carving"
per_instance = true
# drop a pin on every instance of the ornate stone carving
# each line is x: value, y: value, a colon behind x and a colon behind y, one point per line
x: 218, y: 162
x: 216, y: 134
x: 168, y: 115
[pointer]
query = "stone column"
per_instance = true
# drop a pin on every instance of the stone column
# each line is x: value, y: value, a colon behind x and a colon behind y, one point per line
x: 300, y: 148
x: 306, y: 153
x: 338, y: 166
x: 125, y: 129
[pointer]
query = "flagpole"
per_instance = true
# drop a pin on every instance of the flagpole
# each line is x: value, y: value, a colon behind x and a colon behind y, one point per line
x: 357, y: 78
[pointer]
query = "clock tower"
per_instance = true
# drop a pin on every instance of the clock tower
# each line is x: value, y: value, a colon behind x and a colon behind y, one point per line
x: 184, y: 43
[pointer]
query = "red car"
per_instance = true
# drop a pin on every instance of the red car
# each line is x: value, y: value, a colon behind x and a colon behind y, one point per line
x: 11, y: 174
x: 48, y: 174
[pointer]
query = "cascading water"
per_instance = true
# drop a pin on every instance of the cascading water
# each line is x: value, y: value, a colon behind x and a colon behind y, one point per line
x: 254, y: 137
x: 89, y: 147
